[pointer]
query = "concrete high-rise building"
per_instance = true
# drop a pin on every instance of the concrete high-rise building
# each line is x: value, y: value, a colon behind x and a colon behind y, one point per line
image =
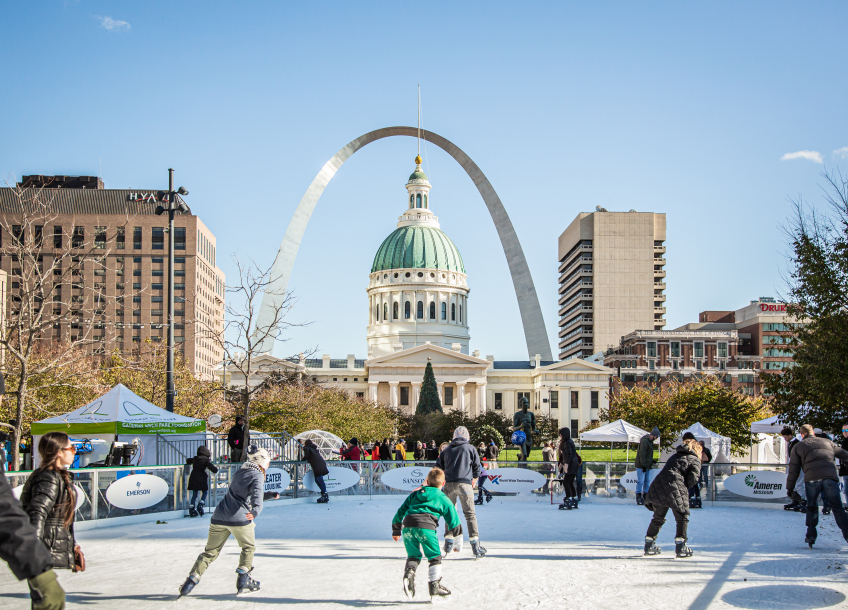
x: 612, y: 279
x: 122, y: 285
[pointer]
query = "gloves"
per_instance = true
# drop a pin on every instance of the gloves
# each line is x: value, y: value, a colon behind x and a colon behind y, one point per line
x: 644, y: 471
x: 795, y: 496
x: 46, y: 592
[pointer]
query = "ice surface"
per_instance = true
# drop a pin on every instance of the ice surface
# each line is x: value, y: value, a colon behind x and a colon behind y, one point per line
x: 341, y: 555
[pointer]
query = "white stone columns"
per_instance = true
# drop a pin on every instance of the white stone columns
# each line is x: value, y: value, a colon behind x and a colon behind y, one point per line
x: 394, y: 400
x: 441, y: 386
x: 372, y: 390
x: 416, y: 392
x: 460, y: 396
x: 481, y: 398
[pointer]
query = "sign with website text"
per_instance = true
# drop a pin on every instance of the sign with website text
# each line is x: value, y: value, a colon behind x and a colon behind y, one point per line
x: 757, y: 484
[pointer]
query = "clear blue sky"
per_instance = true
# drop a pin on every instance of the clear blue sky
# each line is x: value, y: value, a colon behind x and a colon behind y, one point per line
x: 682, y: 108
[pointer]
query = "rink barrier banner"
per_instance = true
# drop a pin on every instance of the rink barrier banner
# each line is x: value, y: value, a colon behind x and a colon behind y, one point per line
x: 81, y: 497
x: 337, y: 479
x: 137, y: 491
x: 277, y: 481
x: 407, y: 478
x: 629, y: 480
x: 513, y: 480
x: 761, y: 484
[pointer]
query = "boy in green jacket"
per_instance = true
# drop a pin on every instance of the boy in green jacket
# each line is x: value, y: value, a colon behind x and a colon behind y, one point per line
x: 418, y: 520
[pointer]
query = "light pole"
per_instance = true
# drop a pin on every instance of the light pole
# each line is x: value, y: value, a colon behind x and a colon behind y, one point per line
x: 170, y: 198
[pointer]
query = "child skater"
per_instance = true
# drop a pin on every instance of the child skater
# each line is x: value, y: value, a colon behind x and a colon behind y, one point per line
x: 418, y: 520
x: 198, y: 480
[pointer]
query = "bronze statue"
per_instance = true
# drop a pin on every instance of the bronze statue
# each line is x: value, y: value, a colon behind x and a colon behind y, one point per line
x: 525, y: 421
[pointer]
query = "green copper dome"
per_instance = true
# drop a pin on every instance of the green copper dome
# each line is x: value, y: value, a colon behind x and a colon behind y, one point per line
x: 418, y: 175
x: 418, y: 248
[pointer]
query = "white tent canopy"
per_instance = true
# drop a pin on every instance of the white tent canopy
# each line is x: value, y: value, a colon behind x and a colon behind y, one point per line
x: 618, y: 431
x: 715, y: 442
x: 770, y: 425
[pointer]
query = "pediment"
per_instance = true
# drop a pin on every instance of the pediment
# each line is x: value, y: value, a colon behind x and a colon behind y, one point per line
x: 575, y: 365
x: 419, y: 355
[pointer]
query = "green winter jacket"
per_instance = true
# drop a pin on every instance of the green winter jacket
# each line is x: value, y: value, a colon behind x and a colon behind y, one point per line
x: 645, y: 455
x: 423, y: 508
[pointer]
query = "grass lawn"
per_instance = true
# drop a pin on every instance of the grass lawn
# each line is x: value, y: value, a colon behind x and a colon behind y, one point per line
x: 588, y: 455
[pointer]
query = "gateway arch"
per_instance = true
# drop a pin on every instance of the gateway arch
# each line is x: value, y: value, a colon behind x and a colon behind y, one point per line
x: 535, y: 334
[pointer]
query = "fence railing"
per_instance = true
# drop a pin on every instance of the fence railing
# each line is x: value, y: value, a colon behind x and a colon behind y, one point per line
x: 281, y: 446
x: 599, y: 480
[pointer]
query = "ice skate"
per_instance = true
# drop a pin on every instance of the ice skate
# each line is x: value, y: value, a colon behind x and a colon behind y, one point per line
x: 324, y: 499
x: 680, y: 548
x: 478, y: 549
x: 810, y: 541
x: 479, y: 500
x: 409, y: 583
x: 192, y: 512
x: 200, y: 509
x: 651, y: 547
x: 189, y: 584
x: 244, y: 583
x: 437, y: 590
x: 488, y: 496
x: 802, y: 507
x: 640, y: 499
x: 450, y: 543
x: 826, y: 510
x: 575, y: 502
x: 566, y: 504
x: 790, y: 506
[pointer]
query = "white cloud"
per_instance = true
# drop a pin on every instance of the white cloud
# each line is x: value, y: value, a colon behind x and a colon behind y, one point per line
x: 841, y: 152
x: 113, y: 25
x: 810, y: 155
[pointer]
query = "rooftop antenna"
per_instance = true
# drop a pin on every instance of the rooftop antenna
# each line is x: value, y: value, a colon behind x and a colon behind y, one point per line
x: 419, y: 119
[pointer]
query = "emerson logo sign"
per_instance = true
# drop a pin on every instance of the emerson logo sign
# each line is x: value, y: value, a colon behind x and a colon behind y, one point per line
x: 137, y: 491
x: 757, y: 484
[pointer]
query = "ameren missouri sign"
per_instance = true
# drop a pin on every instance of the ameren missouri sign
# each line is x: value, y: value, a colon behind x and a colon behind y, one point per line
x: 757, y: 484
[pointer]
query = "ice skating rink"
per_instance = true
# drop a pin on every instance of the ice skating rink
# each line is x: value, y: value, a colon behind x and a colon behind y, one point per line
x: 341, y: 555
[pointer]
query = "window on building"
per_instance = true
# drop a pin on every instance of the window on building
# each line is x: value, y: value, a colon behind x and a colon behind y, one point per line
x: 158, y: 273
x: 100, y: 238
x: 377, y: 313
x: 698, y: 365
x: 154, y: 299
x: 78, y: 237
x: 395, y: 311
x: 554, y: 398
x: 418, y: 201
x: 385, y: 311
x: 460, y: 314
x: 38, y: 235
x: 722, y: 350
x: 453, y: 312
x: 158, y: 240
x: 411, y: 201
x: 136, y: 238
x: 448, y: 396
x: 675, y: 365
x: 699, y: 349
x: 675, y: 349
x: 575, y: 428
x: 121, y: 238
x: 498, y: 401
x: 721, y: 365
x: 519, y: 396
x: 425, y: 201
x: 18, y: 233
x: 652, y: 349
x: 57, y: 237
x: 420, y: 310
x: 432, y: 310
x: 180, y: 239
x: 404, y: 395
x: 406, y: 310
x: 575, y: 400
x: 594, y: 400
x: 652, y: 365
x: 444, y: 311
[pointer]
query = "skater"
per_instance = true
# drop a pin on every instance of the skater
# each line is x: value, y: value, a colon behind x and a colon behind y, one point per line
x: 319, y: 468
x: 799, y: 506
x: 492, y: 453
x: 386, y: 450
x: 695, y: 492
x: 417, y: 520
x: 568, y: 464
x: 432, y: 452
x: 548, y: 457
x: 246, y: 493
x: 462, y: 468
x: 198, y: 480
x: 644, y: 462
x: 815, y: 456
x: 670, y: 490
x: 235, y: 439
x: 843, y: 464
x: 481, y: 482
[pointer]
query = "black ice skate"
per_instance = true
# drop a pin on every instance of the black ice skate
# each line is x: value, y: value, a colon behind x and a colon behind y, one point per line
x: 479, y: 500
x: 200, y: 509
x: 244, y: 583
x: 191, y: 511
x: 810, y: 541
x: 826, y: 510
x: 189, y: 584
x: 651, y: 547
x: 790, y: 506
x: 640, y: 499
x: 488, y: 495
x: 566, y: 504
x: 478, y: 549
x: 324, y: 499
x: 802, y: 507
x: 409, y: 583
x: 437, y: 590
x: 680, y: 548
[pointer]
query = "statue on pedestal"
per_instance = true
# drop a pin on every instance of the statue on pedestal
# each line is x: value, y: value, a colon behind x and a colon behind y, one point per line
x: 524, y: 421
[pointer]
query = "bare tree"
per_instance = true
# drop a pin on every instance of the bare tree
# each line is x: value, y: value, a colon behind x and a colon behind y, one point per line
x: 50, y: 332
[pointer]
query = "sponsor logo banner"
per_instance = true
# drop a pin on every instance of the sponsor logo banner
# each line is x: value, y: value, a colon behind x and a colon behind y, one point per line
x: 405, y: 479
x: 336, y: 480
x: 81, y: 497
x: 628, y: 481
x: 137, y: 491
x: 277, y: 481
x: 513, y: 480
x: 757, y: 484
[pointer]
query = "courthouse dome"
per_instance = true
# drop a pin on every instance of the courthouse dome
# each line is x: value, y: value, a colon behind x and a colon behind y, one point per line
x: 418, y: 247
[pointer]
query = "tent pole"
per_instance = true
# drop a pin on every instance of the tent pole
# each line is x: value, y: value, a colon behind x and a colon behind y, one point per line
x: 628, y: 450
x: 611, y: 446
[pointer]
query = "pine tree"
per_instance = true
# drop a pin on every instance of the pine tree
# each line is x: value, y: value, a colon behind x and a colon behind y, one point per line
x: 428, y: 401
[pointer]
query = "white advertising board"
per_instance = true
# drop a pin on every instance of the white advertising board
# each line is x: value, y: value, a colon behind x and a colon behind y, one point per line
x: 628, y: 481
x: 81, y: 497
x: 277, y: 481
x: 513, y: 480
x: 405, y: 479
x: 336, y: 480
x: 137, y: 491
x: 757, y: 484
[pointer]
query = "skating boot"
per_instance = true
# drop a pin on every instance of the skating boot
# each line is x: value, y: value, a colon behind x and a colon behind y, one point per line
x: 810, y: 541
x: 575, y: 502
x: 802, y: 507
x: 200, y: 509
x: 790, y: 506
x: 437, y: 590
x: 651, y: 547
x: 680, y: 548
x: 478, y: 549
x: 826, y: 510
x: 324, y: 499
x: 479, y: 500
x: 244, y: 583
x: 450, y: 543
x: 189, y: 584
x: 640, y: 499
x: 192, y: 512
x: 488, y: 495
x: 409, y: 583
x: 566, y: 504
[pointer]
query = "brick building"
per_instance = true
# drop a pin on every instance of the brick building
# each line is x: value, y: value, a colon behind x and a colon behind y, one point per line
x: 131, y: 272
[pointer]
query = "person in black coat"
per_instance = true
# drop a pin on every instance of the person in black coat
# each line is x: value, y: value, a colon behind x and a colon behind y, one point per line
x: 843, y: 464
x: 568, y: 463
x: 432, y: 452
x: 235, y: 439
x: 385, y: 451
x: 670, y: 490
x: 198, y: 480
x: 316, y: 461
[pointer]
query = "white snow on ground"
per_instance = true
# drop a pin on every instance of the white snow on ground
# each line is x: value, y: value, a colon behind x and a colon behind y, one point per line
x: 341, y: 555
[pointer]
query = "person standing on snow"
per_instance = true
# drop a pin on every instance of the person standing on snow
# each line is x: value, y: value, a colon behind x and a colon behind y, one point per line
x: 246, y: 493
x: 791, y: 441
x: 670, y: 490
x: 312, y: 454
x: 235, y: 439
x: 568, y: 463
x: 644, y: 461
x: 462, y: 468
x: 815, y: 456
x: 198, y: 480
x: 843, y: 464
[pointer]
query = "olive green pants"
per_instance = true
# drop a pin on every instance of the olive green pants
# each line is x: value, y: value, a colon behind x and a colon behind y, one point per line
x: 218, y: 535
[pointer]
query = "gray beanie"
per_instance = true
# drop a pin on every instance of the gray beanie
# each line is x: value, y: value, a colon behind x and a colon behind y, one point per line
x: 461, y: 432
x: 655, y: 431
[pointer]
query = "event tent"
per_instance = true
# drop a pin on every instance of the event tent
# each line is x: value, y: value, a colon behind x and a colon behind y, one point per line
x: 770, y: 425
x: 618, y: 431
x: 715, y: 442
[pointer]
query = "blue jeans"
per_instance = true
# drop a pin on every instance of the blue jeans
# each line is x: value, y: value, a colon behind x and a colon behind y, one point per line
x: 319, y: 481
x: 829, y: 490
x: 845, y: 488
x: 643, y: 480
x: 194, y: 496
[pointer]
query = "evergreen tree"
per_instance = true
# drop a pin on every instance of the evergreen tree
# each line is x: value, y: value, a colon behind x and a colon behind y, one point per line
x: 428, y: 401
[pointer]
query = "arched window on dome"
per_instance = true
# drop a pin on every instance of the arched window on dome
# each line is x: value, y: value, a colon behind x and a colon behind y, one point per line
x: 425, y: 201
x: 411, y: 201
x: 418, y: 200
x: 395, y: 310
x: 432, y: 310
x: 420, y: 310
x: 453, y: 312
x: 376, y: 313
x: 406, y: 310
x: 460, y: 314
x: 444, y: 311
x: 385, y: 311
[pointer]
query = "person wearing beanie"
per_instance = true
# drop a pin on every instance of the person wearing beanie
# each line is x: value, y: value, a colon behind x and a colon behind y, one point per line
x: 462, y: 469
x: 799, y: 506
x: 198, y: 480
x: 644, y: 461
x: 235, y: 515
x: 312, y: 454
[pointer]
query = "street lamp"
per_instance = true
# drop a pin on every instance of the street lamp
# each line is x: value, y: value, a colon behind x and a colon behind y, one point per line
x: 170, y: 198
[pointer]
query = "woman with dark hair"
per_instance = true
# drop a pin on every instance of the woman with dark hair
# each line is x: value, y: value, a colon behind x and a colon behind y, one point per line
x: 198, y: 480
x: 49, y: 498
x: 385, y: 450
x: 568, y: 464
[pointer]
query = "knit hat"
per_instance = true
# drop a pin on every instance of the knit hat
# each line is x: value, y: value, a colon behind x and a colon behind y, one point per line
x: 259, y: 456
x: 204, y: 451
x: 655, y: 431
x: 461, y: 432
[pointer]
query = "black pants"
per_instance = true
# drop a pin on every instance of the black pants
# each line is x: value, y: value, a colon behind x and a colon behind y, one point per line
x: 657, y: 521
x: 828, y: 489
x: 568, y: 484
